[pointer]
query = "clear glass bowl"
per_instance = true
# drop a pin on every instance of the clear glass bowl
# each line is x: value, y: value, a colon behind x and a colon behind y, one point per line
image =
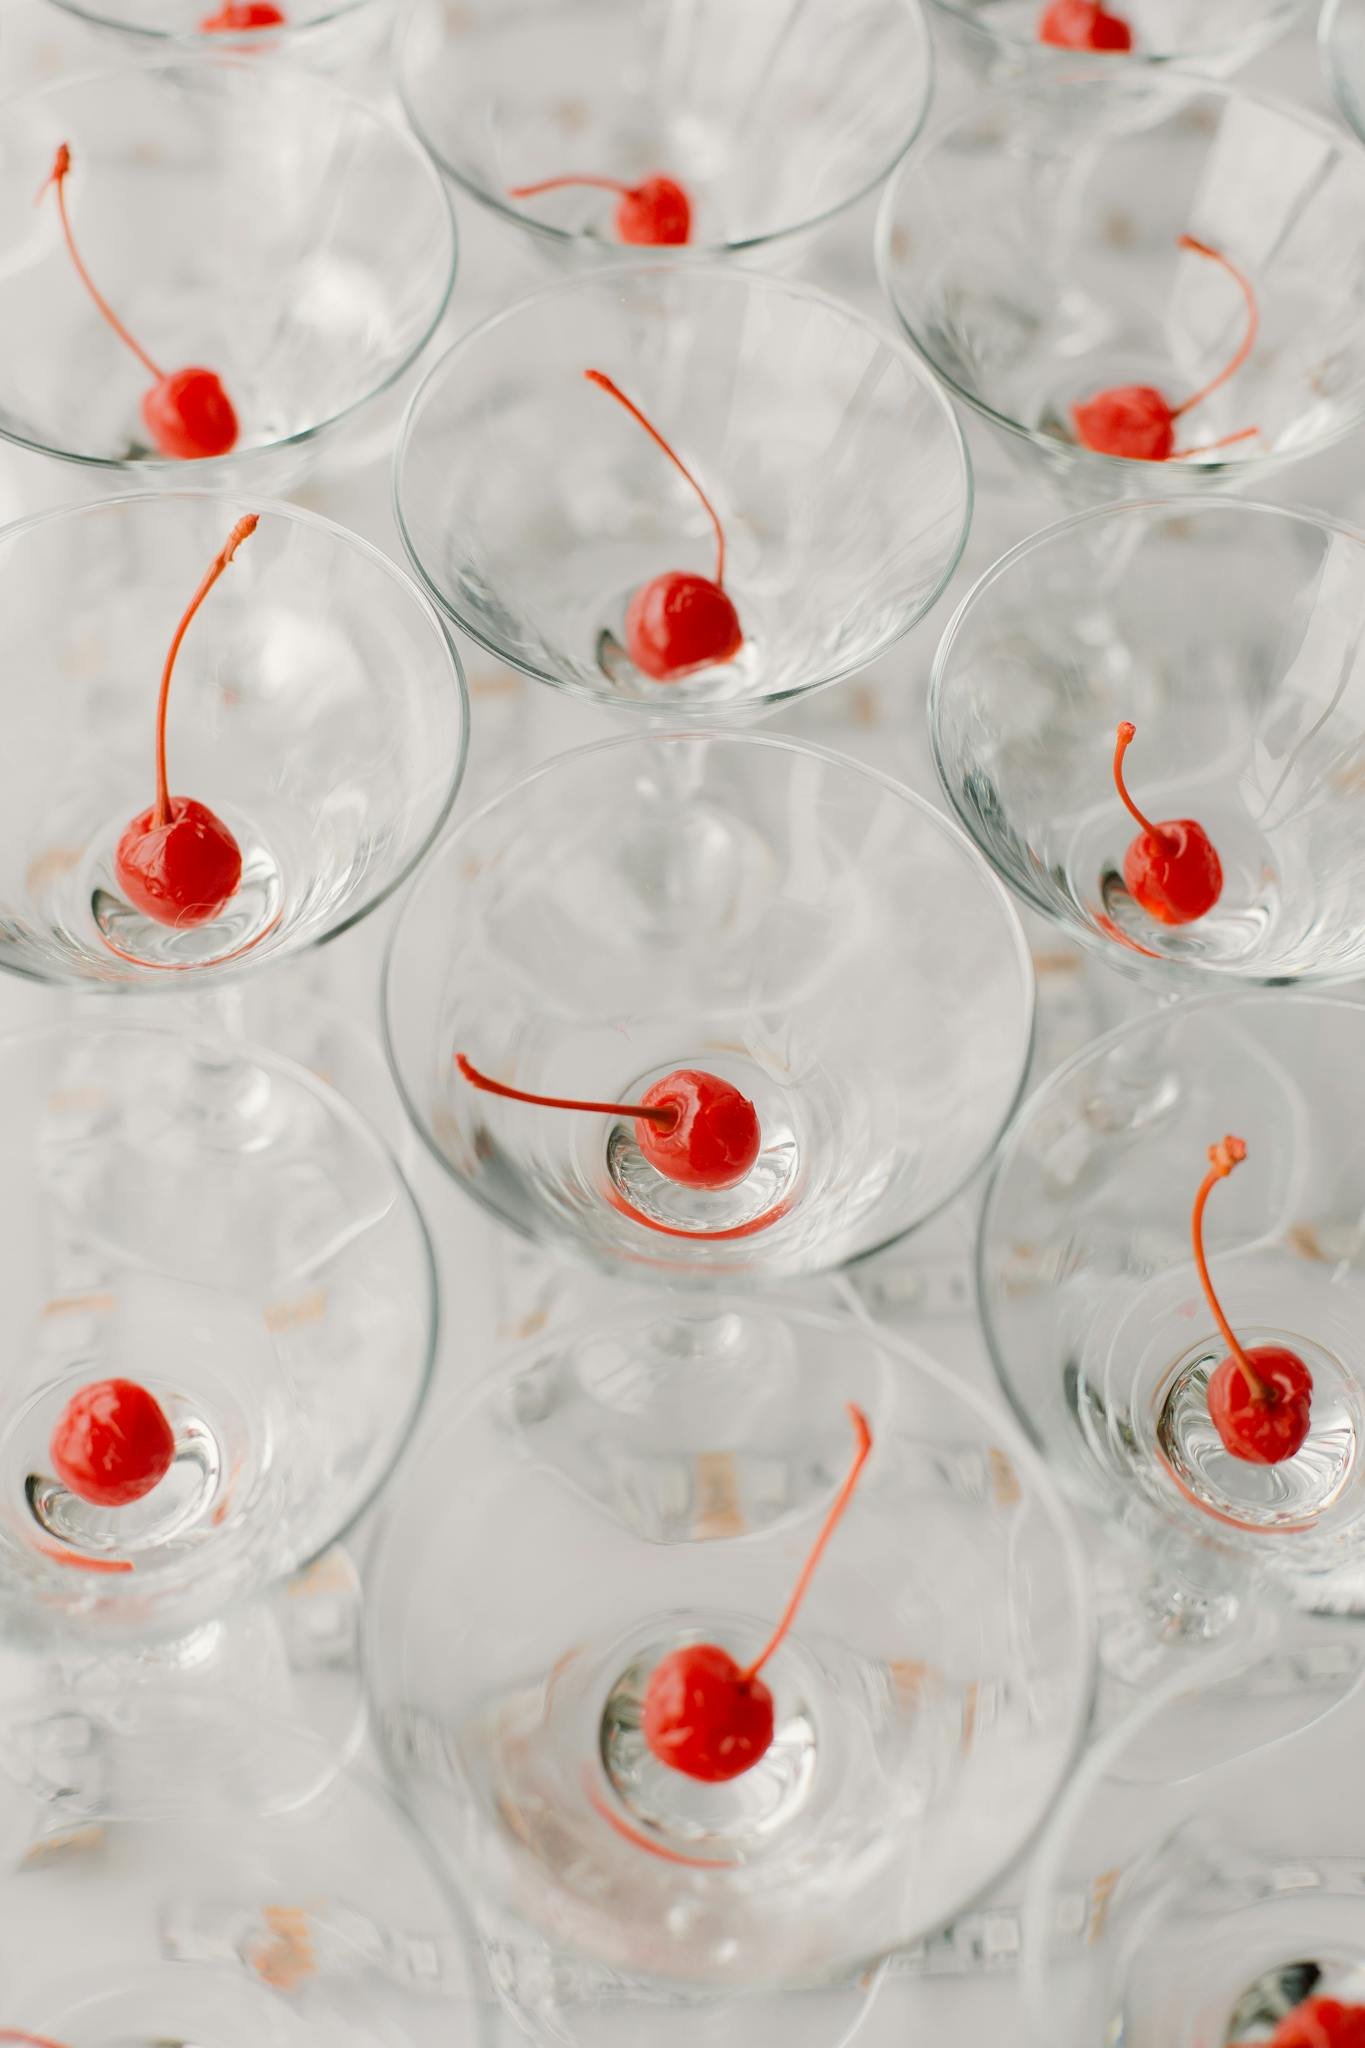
x: 837, y: 469
x: 1029, y: 248
x: 318, y: 707
x: 218, y: 1226
x: 599, y: 1499
x: 1162, y: 1927
x: 1341, y: 39
x: 507, y: 92
x: 190, y: 1897
x: 245, y: 215
x: 762, y: 910
x: 1230, y: 634
x: 336, y: 36
x: 999, y: 38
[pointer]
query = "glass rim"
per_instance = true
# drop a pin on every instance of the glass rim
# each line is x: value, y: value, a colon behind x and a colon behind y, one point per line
x: 1264, y: 11
x: 1229, y: 978
x: 684, y: 253
x: 1190, y: 86
x: 1039, y: 1099
x: 436, y: 868
x: 289, y: 33
x: 1047, y: 1492
x: 181, y: 54
x: 245, y: 963
x: 629, y: 275
x: 343, y: 1111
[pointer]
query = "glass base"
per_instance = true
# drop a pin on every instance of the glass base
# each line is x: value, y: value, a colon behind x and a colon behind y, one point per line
x: 766, y: 1191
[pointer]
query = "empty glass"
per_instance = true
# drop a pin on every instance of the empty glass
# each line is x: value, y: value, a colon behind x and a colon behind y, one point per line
x: 506, y: 93
x: 534, y: 506
x: 1230, y: 635
x: 240, y: 214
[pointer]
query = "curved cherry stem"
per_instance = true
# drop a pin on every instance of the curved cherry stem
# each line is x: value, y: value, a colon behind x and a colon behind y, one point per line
x: 557, y: 184
x: 658, y: 1113
x: 1223, y: 441
x: 862, y: 1437
x: 1127, y: 733
x: 57, y: 177
x: 245, y: 526
x: 1223, y: 1156
x: 605, y: 384
x: 24, y: 2040
x: 1248, y: 339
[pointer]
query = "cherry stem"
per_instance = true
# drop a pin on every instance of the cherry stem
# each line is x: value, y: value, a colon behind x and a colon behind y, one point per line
x: 862, y: 1436
x: 557, y: 184
x: 57, y: 177
x: 1126, y: 735
x: 28, y: 2040
x: 1248, y: 339
x: 245, y: 526
x: 1223, y: 1156
x: 605, y: 384
x: 1223, y: 441
x: 654, y: 1113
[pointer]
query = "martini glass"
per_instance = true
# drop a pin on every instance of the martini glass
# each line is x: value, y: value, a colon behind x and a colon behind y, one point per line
x: 835, y: 466
x: 1031, y: 251
x: 1159, y: 1928
x: 336, y: 36
x: 1230, y: 635
x: 318, y: 707
x: 506, y: 93
x: 244, y: 215
x: 766, y: 912
x: 1105, y: 1344
x: 592, y: 1505
x: 999, y: 38
x: 195, y: 1900
x: 215, y: 1225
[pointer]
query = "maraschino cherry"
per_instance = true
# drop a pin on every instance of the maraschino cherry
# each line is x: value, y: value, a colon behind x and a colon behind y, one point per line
x: 238, y: 15
x: 1083, y: 25
x: 177, y: 862
x: 1318, y: 2023
x: 187, y: 412
x: 657, y: 210
x: 692, y: 1127
x: 1171, y: 869
x: 112, y: 1443
x: 1259, y: 1399
x: 678, y: 621
x: 704, y: 1715
x: 1136, y: 421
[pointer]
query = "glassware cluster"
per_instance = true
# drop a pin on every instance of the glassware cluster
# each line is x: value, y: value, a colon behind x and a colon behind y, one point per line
x: 704, y: 1650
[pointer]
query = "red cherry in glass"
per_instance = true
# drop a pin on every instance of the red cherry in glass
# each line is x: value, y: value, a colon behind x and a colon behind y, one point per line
x: 657, y: 210
x: 242, y: 14
x: 187, y: 412
x: 1259, y: 1400
x: 704, y: 1715
x: 693, y: 1127
x: 112, y: 1443
x: 1135, y: 421
x: 1171, y: 869
x: 177, y: 863
x: 1083, y: 25
x: 1318, y: 2023
x: 678, y: 621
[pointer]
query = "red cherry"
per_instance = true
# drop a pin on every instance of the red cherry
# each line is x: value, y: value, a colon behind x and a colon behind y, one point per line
x: 190, y: 416
x: 1134, y: 421
x: 1083, y: 25
x: 714, y: 1138
x: 187, y: 412
x: 655, y: 211
x: 693, y: 1127
x: 177, y: 863
x: 1259, y: 1400
x: 680, y: 620
x: 112, y: 1443
x: 1171, y: 869
x: 242, y: 14
x: 1318, y: 2023
x: 703, y: 1715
